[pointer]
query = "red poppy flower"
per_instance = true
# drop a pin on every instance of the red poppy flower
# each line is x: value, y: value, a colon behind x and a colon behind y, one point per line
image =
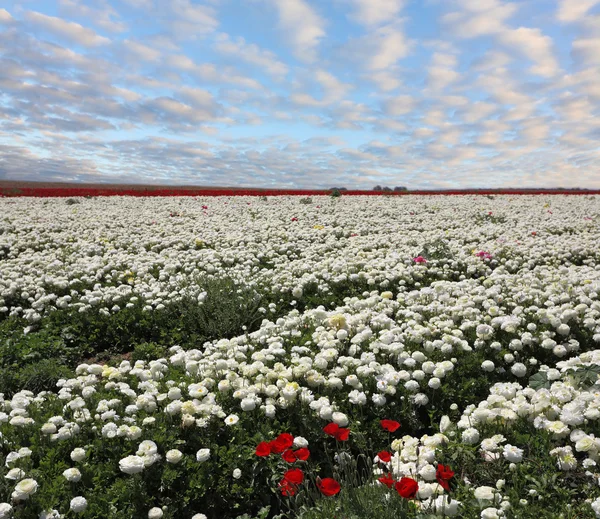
x: 331, y: 429
x: 388, y: 480
x: 294, y: 476
x: 328, y: 486
x: 281, y: 443
x: 443, y: 474
x: 384, y: 456
x: 407, y: 488
x: 294, y: 219
x: 342, y: 434
x: 263, y: 449
x: 390, y: 425
x: 302, y: 454
x: 289, y: 456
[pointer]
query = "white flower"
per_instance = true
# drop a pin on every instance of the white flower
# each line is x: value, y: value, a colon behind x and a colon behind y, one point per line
x: 15, y: 474
x: 484, y: 494
x: 5, y: 510
x: 155, y: 513
x: 24, y: 489
x: 248, y: 404
x: 174, y: 456
x: 513, y: 454
x: 78, y: 454
x: 488, y: 365
x: 237, y: 474
x: 78, y: 504
x: 132, y: 464
x: 339, y: 418
x: 518, y: 369
x: 470, y: 436
x: 147, y: 448
x: 491, y: 513
x: 300, y: 442
x: 199, y: 516
x: 203, y: 455
x: 427, y: 472
x: 72, y: 475
x: 585, y: 444
x: 232, y: 419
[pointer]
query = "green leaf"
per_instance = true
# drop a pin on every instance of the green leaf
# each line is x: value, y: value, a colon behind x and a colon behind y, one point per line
x: 539, y: 380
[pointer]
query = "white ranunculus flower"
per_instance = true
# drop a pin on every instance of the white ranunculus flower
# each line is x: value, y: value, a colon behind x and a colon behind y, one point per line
x: 78, y: 504
x: 72, y: 475
x: 78, y: 454
x: 513, y: 454
x: 15, y: 474
x: 485, y: 493
x: 24, y: 489
x: 339, y: 418
x: 203, y: 455
x: 5, y: 510
x: 132, y: 464
x: 174, y: 456
x: 155, y: 513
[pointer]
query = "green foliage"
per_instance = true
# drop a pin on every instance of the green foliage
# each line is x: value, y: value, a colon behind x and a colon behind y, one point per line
x: 148, y: 351
x: 335, y: 193
x: 436, y: 249
x: 307, y: 201
x: 72, y: 201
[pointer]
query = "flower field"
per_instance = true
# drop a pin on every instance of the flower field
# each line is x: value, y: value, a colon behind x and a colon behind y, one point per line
x: 311, y: 357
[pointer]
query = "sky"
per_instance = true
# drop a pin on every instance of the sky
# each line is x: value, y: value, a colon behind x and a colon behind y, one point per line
x: 302, y: 93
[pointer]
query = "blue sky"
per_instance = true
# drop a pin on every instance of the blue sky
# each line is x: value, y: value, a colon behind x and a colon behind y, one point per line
x: 302, y: 93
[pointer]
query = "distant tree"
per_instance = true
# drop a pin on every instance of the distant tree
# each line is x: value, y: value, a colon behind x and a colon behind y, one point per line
x: 387, y: 189
x: 377, y: 188
x: 400, y: 188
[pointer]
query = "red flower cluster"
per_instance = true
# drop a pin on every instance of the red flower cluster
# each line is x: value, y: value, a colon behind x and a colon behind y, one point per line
x: 282, y: 445
x: 339, y: 433
x: 292, y: 479
x: 113, y: 190
x: 406, y: 487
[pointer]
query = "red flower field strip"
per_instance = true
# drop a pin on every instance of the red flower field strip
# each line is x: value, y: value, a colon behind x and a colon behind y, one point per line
x: 60, y: 192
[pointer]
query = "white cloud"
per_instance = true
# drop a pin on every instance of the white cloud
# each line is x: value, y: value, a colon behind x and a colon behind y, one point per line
x: 333, y: 88
x: 477, y: 18
x: 574, y: 10
x: 586, y: 51
x: 70, y: 30
x: 5, y: 16
x: 380, y: 49
x: 375, y: 12
x: 102, y: 17
x: 441, y: 73
x: 535, y: 46
x: 399, y: 105
x: 302, y: 26
x: 251, y: 53
x: 141, y: 51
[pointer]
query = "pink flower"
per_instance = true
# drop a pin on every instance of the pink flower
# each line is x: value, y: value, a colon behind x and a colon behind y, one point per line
x: 419, y: 259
